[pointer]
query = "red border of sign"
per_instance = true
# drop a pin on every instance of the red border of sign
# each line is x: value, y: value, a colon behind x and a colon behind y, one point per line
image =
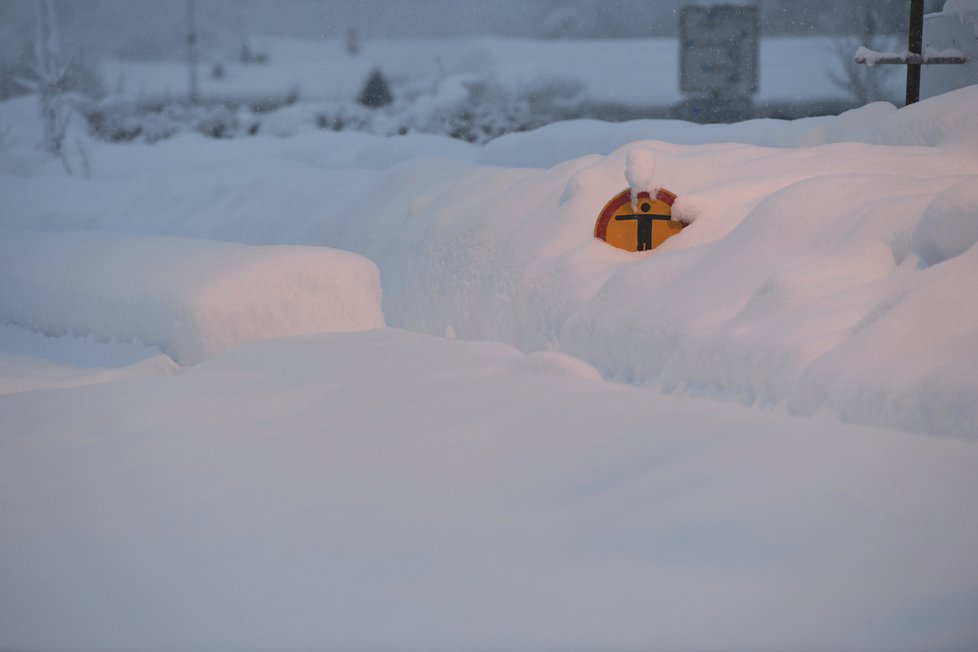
x: 619, y: 200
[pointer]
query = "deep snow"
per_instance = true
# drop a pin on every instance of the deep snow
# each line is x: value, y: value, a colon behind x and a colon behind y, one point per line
x: 189, y: 461
x: 388, y: 490
x: 829, y: 273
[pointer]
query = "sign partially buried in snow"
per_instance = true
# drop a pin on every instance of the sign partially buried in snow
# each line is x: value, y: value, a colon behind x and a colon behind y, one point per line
x: 640, y: 225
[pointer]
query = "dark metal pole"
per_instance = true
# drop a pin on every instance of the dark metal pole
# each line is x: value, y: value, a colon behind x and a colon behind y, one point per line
x: 916, y: 46
x: 194, y: 96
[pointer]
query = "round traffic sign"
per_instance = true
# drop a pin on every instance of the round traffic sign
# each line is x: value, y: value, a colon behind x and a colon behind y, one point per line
x: 641, y: 226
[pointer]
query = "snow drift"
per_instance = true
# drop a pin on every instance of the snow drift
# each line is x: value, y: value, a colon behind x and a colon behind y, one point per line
x: 387, y: 489
x: 802, y: 281
x: 191, y: 298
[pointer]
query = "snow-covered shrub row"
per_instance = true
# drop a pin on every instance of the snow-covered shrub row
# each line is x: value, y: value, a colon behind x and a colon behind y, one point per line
x: 479, y: 109
x: 191, y: 298
x: 469, y: 108
x: 151, y: 120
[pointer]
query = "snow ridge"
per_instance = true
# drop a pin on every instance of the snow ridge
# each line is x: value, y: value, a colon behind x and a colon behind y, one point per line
x: 191, y: 298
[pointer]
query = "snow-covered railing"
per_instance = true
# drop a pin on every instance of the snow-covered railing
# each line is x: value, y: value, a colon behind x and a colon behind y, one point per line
x: 929, y: 56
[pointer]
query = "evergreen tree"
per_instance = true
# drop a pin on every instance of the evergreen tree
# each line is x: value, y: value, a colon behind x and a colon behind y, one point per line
x: 376, y: 92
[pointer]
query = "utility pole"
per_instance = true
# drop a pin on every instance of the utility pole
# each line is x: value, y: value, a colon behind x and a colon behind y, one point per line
x: 193, y: 96
x: 916, y: 44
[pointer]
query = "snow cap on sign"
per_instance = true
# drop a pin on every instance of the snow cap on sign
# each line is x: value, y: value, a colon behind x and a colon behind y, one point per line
x: 640, y: 173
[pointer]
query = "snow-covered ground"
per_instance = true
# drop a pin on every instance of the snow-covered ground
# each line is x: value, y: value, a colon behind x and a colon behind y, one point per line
x: 219, y: 431
x: 388, y: 490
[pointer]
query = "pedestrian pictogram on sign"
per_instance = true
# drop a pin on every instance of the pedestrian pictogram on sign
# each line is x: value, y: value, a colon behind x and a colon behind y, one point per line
x: 641, y: 226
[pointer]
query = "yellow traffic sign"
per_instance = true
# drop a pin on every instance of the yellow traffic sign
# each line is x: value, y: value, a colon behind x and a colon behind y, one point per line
x: 639, y: 227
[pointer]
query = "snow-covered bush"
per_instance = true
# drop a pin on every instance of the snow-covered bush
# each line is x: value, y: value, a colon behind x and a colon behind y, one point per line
x: 161, y: 118
x: 153, y: 127
x: 265, y: 103
x: 479, y: 109
x: 467, y: 108
x: 217, y: 121
x: 118, y: 123
x: 344, y: 117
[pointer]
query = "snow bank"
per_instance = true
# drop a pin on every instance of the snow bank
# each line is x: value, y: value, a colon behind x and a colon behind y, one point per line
x: 191, y: 298
x: 947, y: 121
x: 797, y: 260
x: 799, y: 307
x: 794, y: 258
